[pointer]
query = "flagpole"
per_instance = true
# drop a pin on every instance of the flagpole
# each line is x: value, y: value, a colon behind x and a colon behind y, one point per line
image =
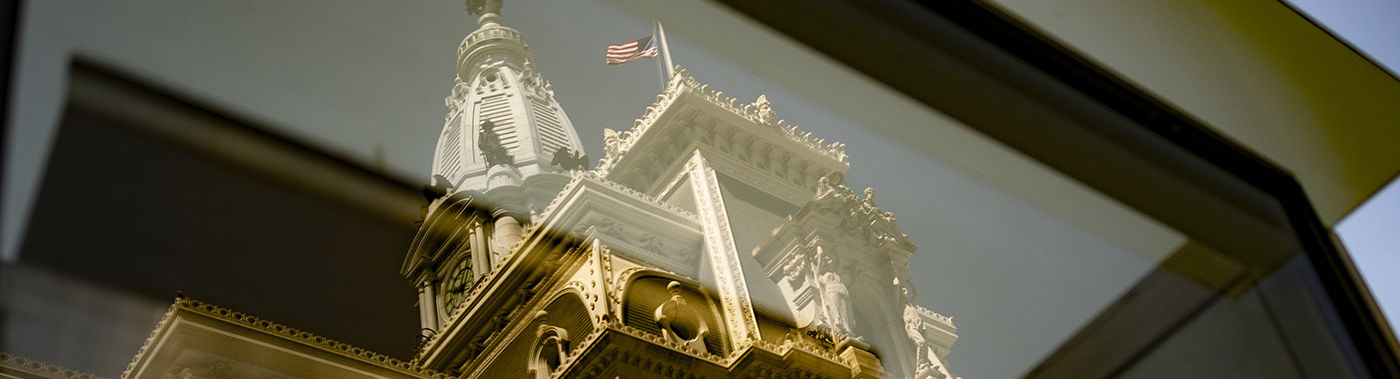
x: 660, y: 64
x: 665, y: 51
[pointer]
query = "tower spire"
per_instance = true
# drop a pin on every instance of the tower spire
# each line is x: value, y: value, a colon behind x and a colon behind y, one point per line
x: 498, y: 85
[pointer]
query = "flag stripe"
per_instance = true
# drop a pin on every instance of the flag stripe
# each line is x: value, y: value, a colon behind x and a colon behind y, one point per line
x: 648, y: 53
x: 623, y: 46
x: 619, y: 53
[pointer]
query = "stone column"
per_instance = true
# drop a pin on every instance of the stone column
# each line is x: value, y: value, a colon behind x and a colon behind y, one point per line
x: 481, y: 253
x: 439, y: 308
x: 430, y: 305
x: 507, y: 234
x: 423, y: 307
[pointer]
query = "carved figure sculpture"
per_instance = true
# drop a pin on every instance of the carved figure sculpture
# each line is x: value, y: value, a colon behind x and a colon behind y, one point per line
x: 832, y: 184
x: 927, y: 364
x: 612, y: 142
x: 491, y: 148
x: 836, y: 298
x: 569, y: 160
x: 914, y: 326
x: 765, y: 110
x: 484, y: 6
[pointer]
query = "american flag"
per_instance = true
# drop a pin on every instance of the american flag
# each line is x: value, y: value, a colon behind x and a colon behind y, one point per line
x: 619, y: 53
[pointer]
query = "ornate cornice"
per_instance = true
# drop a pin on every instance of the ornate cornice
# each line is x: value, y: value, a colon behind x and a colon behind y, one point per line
x: 794, y: 341
x: 856, y: 214
x: 758, y: 112
x: 146, y: 346
x: 596, y: 177
x: 483, y: 34
x: 930, y: 314
x: 671, y: 345
x: 273, y: 328
x: 657, y: 366
x: 42, y: 369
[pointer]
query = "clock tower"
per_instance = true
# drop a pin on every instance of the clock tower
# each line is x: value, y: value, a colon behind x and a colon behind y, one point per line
x: 505, y: 150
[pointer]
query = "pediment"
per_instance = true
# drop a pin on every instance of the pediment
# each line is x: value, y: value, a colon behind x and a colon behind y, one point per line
x: 631, y: 223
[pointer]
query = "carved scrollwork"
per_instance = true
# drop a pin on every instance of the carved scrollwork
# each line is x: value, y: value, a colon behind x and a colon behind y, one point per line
x: 11, y: 363
x: 858, y: 216
x: 680, y: 322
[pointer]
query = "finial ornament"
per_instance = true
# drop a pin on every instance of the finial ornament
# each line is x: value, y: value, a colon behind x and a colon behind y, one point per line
x: 489, y: 10
x: 483, y: 7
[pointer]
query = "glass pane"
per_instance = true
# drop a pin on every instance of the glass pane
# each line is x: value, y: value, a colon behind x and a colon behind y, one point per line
x: 586, y: 210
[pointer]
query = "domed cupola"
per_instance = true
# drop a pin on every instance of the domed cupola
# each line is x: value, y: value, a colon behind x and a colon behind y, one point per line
x: 503, y: 123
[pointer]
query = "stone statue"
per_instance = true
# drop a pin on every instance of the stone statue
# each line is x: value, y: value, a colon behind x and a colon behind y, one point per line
x: 824, y: 187
x: 914, y: 326
x: 795, y: 271
x: 830, y: 184
x: 480, y: 7
x: 569, y: 160
x: 765, y: 110
x: 836, y: 297
x: 928, y: 365
x: 837, y: 300
x: 491, y: 148
x: 612, y: 143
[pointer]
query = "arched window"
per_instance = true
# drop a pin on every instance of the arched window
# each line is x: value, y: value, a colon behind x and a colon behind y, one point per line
x: 550, y: 350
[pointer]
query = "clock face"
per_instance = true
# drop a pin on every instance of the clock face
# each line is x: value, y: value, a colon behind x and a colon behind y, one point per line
x: 459, y: 281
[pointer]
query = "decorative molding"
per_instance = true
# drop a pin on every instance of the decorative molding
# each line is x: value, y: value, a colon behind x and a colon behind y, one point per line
x: 41, y: 369
x: 151, y: 338
x: 621, y: 283
x: 498, y: 32
x: 595, y: 177
x: 759, y: 113
x: 273, y: 328
x: 676, y: 346
x: 796, y: 340
x: 729, y: 276
x: 930, y: 314
x: 857, y: 216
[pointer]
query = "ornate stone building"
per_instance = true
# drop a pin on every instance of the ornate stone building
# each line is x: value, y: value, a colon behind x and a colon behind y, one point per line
x: 712, y: 240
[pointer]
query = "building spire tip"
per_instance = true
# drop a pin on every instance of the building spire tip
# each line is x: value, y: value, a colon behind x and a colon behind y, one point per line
x: 488, y: 10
